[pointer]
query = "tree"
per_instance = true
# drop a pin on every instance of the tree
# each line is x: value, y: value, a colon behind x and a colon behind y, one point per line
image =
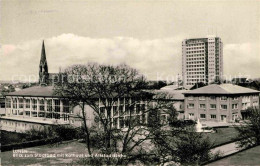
x: 94, y: 85
x: 178, y: 142
x: 10, y: 88
x: 249, y: 129
x: 143, y: 136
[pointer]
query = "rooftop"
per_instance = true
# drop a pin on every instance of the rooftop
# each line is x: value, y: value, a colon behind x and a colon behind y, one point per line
x: 48, y: 91
x: 169, y: 94
x: 35, y: 91
x: 222, y: 89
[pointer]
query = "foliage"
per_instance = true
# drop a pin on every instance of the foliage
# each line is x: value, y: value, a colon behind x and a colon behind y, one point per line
x: 6, y: 91
x: 60, y: 132
x: 249, y: 130
x: 11, y: 137
x: 178, y: 142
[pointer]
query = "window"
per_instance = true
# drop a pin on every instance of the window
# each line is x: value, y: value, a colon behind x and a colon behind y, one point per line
x: 190, y: 98
x: 213, y: 116
x: 27, y: 113
x: 20, y: 112
x: 213, y: 106
x: 20, y: 103
x: 212, y: 97
x: 115, y: 111
x: 34, y: 104
x: 102, y: 111
x: 121, y: 110
x: 115, y: 122
x: 66, y: 117
x: 57, y: 106
x: 14, y: 103
x: 121, y: 101
x: 8, y: 103
x: 41, y: 104
x: 132, y: 109
x: 234, y: 106
x: 203, y: 106
x: 66, y: 106
x: 41, y: 114
x: 223, y: 98
x: 190, y: 105
x: 202, y: 98
x: 235, y: 98
x: 223, y: 106
x: 121, y: 122
x: 49, y: 105
x: 127, y: 121
x: 49, y: 115
x: 127, y: 110
x: 56, y: 116
x: 202, y: 116
x: 34, y: 114
x: 138, y: 108
x: 27, y: 103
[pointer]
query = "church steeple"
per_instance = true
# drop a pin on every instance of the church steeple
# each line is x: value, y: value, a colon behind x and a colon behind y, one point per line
x: 43, y: 68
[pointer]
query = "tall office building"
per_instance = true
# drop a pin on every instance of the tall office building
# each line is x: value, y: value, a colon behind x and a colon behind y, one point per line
x: 202, y: 60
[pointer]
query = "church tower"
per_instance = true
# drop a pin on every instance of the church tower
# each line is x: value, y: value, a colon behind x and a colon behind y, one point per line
x: 43, y: 68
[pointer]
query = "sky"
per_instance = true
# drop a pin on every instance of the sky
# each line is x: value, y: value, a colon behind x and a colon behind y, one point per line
x: 144, y: 34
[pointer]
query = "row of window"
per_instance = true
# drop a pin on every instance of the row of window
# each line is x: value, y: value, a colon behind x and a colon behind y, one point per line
x: 223, y: 98
x: 199, y: 51
x: 41, y: 114
x: 213, y: 106
x: 197, y: 44
x: 195, y: 66
x: 32, y: 104
x: 193, y: 48
x: 122, y: 110
x: 124, y: 122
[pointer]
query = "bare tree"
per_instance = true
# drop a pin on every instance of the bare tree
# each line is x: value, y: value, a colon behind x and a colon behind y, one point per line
x: 142, y: 136
x: 105, y: 85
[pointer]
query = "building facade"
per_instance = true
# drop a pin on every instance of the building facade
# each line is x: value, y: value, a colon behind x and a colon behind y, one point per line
x: 219, y: 103
x: 202, y: 60
x: 36, y: 107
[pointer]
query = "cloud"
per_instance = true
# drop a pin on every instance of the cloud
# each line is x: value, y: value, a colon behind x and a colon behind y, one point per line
x: 157, y: 58
x: 161, y: 56
x: 242, y: 59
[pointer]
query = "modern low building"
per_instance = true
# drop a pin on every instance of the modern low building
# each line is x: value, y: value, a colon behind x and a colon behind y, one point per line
x: 38, y: 106
x: 219, y: 103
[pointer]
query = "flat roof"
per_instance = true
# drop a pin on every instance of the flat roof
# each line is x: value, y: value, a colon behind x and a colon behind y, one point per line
x: 35, y: 91
x: 222, y: 89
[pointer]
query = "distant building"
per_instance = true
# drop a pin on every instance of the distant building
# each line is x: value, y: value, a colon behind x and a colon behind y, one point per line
x: 219, y: 103
x: 202, y: 60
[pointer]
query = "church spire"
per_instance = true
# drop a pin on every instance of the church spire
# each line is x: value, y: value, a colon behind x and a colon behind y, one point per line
x: 43, y: 71
x: 43, y: 55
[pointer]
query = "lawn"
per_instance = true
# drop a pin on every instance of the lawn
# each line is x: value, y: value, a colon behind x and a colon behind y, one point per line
x: 222, y: 135
x: 71, y: 149
x: 247, y: 157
